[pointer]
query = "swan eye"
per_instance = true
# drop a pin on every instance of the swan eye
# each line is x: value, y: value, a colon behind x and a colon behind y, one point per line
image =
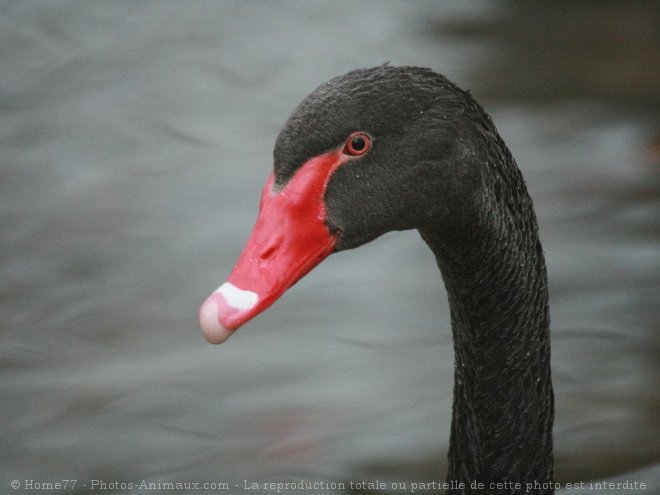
x: 357, y: 144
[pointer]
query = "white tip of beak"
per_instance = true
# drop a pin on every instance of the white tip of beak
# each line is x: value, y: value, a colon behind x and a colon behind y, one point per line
x: 209, y: 320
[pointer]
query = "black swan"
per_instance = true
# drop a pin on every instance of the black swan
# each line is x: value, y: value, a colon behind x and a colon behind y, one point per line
x: 394, y: 148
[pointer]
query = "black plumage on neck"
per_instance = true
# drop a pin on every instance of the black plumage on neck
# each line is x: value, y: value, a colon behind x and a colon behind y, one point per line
x: 494, y: 271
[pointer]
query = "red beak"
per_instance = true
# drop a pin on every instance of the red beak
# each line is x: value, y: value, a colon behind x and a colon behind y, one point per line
x: 289, y: 239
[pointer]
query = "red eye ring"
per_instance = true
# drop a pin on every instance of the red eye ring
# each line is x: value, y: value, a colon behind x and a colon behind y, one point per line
x: 357, y: 144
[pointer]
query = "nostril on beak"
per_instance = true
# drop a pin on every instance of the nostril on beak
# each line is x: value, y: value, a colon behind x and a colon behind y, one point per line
x: 269, y: 253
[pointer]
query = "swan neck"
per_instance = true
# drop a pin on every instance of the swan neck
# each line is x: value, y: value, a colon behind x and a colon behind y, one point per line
x: 495, y: 277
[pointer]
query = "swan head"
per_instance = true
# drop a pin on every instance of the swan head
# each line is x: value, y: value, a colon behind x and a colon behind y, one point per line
x: 369, y: 152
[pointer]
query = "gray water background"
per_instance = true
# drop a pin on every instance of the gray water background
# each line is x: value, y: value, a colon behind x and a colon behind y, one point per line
x: 135, y: 138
